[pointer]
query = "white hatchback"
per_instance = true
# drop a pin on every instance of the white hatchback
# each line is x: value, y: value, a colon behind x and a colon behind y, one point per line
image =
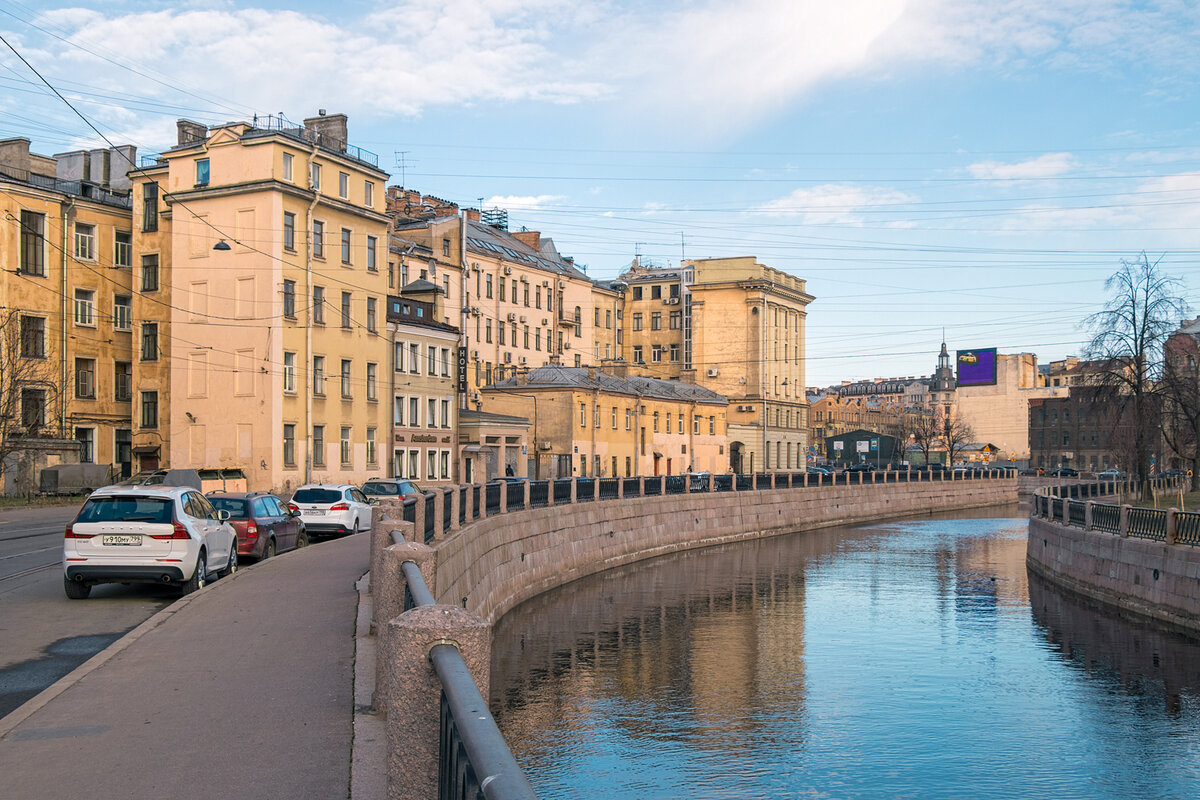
x: 332, y: 508
x: 147, y: 534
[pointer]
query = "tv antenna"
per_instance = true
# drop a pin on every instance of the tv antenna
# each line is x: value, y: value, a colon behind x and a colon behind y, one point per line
x: 403, y: 163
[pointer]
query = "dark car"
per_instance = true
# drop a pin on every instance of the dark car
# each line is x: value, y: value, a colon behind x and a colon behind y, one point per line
x: 263, y: 523
x: 1065, y: 472
x: 933, y: 467
x: 1171, y: 473
x: 390, y: 488
x: 860, y: 467
x: 815, y: 470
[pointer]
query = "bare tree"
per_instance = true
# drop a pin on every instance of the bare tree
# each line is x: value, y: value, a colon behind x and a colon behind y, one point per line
x: 26, y: 382
x: 955, y: 434
x: 1179, y: 390
x: 1127, y: 342
x: 926, y: 432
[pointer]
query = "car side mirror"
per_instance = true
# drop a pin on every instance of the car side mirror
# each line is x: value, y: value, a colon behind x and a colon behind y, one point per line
x: 223, y: 515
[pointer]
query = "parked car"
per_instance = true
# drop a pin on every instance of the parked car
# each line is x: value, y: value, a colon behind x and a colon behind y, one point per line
x: 815, y: 470
x: 147, y: 534
x: 336, y: 508
x: 1064, y: 472
x: 263, y: 523
x: 1171, y: 473
x: 696, y: 481
x: 863, y: 467
x: 377, y: 489
x: 933, y: 467
x: 1111, y: 475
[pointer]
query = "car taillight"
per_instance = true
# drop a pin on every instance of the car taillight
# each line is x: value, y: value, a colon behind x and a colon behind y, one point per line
x: 340, y: 507
x: 295, y: 509
x: 251, y: 531
x: 177, y: 532
x: 71, y: 534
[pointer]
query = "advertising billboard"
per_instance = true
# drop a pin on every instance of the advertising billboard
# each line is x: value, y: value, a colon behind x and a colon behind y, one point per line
x: 977, y: 367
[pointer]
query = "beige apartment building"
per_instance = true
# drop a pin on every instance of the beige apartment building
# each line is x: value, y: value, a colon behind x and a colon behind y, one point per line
x: 737, y: 327
x: 275, y: 241
x: 66, y: 294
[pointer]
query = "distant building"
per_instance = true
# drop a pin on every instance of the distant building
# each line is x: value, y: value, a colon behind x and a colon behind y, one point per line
x: 862, y: 447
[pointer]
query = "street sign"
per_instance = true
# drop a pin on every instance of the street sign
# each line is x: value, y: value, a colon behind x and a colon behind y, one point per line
x: 874, y: 444
x: 839, y: 446
x: 462, y: 370
x: 862, y: 446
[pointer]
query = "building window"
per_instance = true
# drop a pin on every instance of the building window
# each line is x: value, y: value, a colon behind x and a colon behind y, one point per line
x: 637, y: 320
x: 674, y: 352
x: 656, y: 321
x: 33, y: 243
x: 695, y: 424
x: 371, y: 264
x: 318, y: 305
x: 414, y: 358
x: 368, y: 194
x: 345, y: 245
x: 656, y: 422
x: 628, y: 419
x: 414, y: 412
x: 287, y: 176
x: 122, y: 249
x: 85, y: 241
x: 122, y: 312
x: 399, y: 356
x: 289, y: 443
x: 578, y: 322
x: 371, y: 315
x: 345, y: 309
x: 87, y: 445
x: 201, y: 171
x: 343, y: 185
x: 318, y: 239
x: 371, y: 371
x: 371, y: 457
x: 637, y: 354
x: 431, y: 419
x: 33, y: 408
x: 445, y: 362
x: 444, y: 458
x: 712, y: 425
x: 289, y: 231
x: 150, y: 273
x: 445, y: 413
x: 149, y: 341
x: 316, y: 177
x: 398, y: 411
x: 289, y: 372
x: 289, y: 299
x: 318, y: 454
x: 583, y: 415
x: 150, y: 207
x: 85, y: 307
x: 345, y: 446
x: 433, y: 370
x: 85, y: 378
x: 655, y: 292
x: 431, y: 465
x: 614, y: 418
x: 669, y: 422
x: 503, y: 290
x: 656, y: 353
x: 347, y: 383
x: 123, y: 381
x: 637, y: 293
x: 149, y: 409
x: 318, y: 375
x: 677, y: 322
x: 487, y: 285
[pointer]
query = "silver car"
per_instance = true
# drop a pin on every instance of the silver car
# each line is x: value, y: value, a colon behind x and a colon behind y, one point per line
x: 335, y: 509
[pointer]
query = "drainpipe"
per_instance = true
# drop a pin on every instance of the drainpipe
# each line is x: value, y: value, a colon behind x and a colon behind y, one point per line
x: 637, y: 434
x: 308, y: 327
x: 68, y: 215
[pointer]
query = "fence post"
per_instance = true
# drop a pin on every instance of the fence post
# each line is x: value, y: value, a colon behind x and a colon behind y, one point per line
x: 574, y: 491
x: 1170, y: 535
x: 595, y: 488
x: 1087, y: 514
x: 528, y: 489
x: 439, y: 514
x: 1066, y: 511
x: 389, y: 601
x: 621, y: 488
x: 503, y: 496
x: 413, y: 691
x: 712, y: 482
x: 482, y: 509
x: 455, y: 506
x: 419, y: 518
x: 1123, y: 525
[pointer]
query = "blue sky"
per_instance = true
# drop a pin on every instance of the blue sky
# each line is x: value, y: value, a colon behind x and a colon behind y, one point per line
x: 974, y: 165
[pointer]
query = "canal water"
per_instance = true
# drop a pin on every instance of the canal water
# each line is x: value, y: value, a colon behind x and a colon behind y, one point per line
x: 904, y: 659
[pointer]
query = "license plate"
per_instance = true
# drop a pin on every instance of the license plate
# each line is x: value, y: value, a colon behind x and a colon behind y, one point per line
x: 316, y: 512
x: 127, y: 540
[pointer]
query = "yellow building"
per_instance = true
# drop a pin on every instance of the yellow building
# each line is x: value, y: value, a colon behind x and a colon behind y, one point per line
x: 738, y: 327
x: 275, y: 243
x: 605, y: 423
x: 66, y: 320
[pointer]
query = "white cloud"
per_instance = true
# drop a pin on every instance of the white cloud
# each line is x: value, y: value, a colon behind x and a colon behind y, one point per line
x: 513, y: 202
x: 837, y: 204
x: 1047, y: 166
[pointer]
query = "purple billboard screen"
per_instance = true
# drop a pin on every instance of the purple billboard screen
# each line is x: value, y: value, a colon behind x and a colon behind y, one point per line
x: 977, y: 367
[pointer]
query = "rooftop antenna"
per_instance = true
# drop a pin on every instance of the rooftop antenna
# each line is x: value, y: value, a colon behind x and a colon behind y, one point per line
x: 682, y: 248
x: 402, y: 164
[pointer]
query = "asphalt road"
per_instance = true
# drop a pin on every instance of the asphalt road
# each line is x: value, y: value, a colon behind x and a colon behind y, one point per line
x: 43, y: 635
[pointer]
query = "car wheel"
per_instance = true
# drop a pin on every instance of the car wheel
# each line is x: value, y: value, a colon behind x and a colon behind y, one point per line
x: 302, y: 539
x: 76, y: 590
x: 231, y: 565
x: 199, y: 576
x: 269, y: 550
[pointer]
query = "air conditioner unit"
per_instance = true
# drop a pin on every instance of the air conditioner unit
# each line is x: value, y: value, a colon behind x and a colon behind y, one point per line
x: 543, y: 445
x: 712, y: 373
x: 475, y: 355
x: 507, y: 270
x: 475, y: 266
x: 508, y: 358
x: 545, y: 321
x: 671, y: 301
x: 521, y: 360
x: 566, y: 345
x: 545, y: 283
x: 524, y: 319
x: 562, y: 284
x: 475, y: 397
x: 512, y: 316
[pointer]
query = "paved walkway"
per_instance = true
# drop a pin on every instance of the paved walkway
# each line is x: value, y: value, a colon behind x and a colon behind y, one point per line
x: 242, y: 690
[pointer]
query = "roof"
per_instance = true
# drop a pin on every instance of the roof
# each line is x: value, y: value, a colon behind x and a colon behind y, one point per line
x: 421, y: 286
x: 467, y: 416
x: 554, y: 376
x: 489, y: 241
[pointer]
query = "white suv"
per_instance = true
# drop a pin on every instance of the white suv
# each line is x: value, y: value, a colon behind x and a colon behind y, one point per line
x: 332, y: 508
x: 147, y: 534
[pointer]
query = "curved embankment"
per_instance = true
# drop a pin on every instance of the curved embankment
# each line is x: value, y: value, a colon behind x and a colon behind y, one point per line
x: 493, y: 564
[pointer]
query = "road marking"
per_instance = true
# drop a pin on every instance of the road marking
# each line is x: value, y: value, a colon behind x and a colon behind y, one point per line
x: 30, y: 553
x: 30, y: 571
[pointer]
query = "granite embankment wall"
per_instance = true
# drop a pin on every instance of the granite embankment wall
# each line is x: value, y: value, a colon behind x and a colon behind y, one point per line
x: 491, y: 565
x: 1150, y: 578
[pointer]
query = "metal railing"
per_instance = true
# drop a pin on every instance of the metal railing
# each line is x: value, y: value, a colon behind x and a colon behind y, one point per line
x: 474, y: 760
x: 1072, y: 505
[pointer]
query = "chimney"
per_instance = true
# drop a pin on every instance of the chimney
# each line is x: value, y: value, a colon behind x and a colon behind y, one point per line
x: 124, y: 158
x: 522, y: 377
x: 14, y: 158
x: 73, y: 166
x: 328, y: 131
x: 189, y: 132
x: 617, y: 367
x: 531, y: 238
x: 472, y: 214
x: 593, y: 372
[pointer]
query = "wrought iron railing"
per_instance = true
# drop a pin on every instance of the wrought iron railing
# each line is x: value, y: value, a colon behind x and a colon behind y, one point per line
x: 1071, y: 504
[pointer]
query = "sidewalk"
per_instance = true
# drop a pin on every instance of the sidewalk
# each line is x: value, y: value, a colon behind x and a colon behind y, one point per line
x: 242, y: 690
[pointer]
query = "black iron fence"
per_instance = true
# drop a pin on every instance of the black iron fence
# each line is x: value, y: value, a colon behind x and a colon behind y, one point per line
x: 1073, y: 505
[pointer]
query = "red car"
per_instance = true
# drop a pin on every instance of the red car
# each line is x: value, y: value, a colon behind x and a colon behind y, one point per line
x: 264, y: 523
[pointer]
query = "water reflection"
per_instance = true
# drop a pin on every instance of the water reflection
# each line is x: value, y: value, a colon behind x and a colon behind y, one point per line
x: 894, y: 660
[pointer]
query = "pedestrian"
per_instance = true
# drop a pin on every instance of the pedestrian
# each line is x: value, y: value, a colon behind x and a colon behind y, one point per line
x: 508, y: 470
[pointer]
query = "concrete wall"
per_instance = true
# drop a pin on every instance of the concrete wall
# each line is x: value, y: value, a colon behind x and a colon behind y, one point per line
x: 496, y: 563
x: 1153, y: 579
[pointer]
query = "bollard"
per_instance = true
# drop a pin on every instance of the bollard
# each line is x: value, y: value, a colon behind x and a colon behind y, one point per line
x: 412, y: 694
x: 381, y: 538
x: 574, y: 491
x: 1087, y: 514
x: 1170, y: 534
x: 389, y: 602
x: 528, y: 488
x: 1123, y: 525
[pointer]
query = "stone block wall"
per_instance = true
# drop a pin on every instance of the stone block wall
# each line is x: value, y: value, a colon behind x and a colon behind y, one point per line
x: 490, y: 566
x: 1149, y: 578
